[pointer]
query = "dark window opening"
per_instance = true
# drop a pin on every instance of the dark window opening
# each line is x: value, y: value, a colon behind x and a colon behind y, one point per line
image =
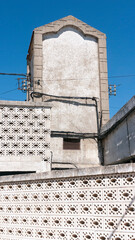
x: 71, y: 144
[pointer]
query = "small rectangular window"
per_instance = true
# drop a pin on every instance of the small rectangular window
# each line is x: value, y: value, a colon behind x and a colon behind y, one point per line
x: 71, y: 144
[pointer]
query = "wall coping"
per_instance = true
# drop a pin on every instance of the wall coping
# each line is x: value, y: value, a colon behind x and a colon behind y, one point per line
x: 118, y: 117
x: 25, y: 104
x: 70, y: 20
x: 83, y: 172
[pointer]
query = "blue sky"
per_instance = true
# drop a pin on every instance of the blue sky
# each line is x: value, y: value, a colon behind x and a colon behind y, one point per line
x: 116, y: 18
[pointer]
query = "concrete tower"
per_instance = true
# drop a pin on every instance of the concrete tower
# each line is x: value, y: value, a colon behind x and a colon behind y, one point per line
x: 67, y: 64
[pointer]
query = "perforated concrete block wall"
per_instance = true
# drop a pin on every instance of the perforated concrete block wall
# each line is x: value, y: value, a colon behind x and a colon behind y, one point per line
x: 86, y: 206
x: 24, y: 136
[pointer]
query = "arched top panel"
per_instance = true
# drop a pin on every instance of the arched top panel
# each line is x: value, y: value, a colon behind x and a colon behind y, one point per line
x: 70, y: 21
x: 69, y: 54
x: 75, y: 29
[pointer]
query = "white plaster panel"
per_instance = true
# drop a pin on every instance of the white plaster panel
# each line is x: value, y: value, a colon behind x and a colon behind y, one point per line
x: 68, y: 117
x: 70, y: 64
x: 70, y: 68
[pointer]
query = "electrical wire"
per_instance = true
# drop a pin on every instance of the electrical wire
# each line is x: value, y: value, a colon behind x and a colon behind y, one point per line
x: 73, y: 79
x: 122, y: 76
x: 22, y: 74
x: 8, y: 91
x: 13, y: 74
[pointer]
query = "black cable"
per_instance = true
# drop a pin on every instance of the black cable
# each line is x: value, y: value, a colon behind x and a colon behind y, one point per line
x: 39, y: 94
x: 14, y: 74
x: 22, y: 74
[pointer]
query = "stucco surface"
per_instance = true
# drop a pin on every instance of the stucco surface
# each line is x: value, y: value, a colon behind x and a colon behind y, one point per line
x: 55, y: 28
x: 86, y: 156
x: 70, y: 68
x: 70, y: 56
x: 70, y: 60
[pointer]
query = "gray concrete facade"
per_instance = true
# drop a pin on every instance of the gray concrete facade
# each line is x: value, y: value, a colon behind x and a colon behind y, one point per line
x: 36, y: 52
x: 67, y: 58
x: 118, y: 135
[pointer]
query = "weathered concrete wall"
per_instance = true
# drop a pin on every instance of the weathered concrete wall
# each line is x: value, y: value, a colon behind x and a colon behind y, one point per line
x: 71, y: 68
x: 36, y: 48
x: 119, y: 135
x: 70, y: 61
x: 95, y: 203
x: 119, y: 145
x: 85, y: 157
x: 25, y: 136
x: 70, y: 64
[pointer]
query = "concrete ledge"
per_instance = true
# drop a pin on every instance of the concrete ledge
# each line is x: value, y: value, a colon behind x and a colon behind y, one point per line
x: 102, y: 170
x: 21, y: 166
x: 25, y: 104
x: 118, y: 117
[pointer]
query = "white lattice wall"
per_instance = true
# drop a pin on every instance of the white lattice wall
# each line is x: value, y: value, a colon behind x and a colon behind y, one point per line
x: 77, y: 208
x: 24, y: 136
